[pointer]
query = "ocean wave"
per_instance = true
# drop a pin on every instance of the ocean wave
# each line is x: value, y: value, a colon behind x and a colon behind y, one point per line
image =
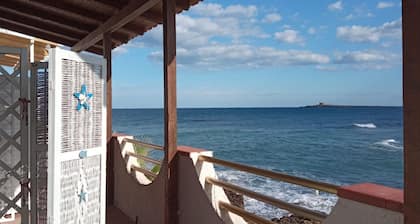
x: 390, y: 144
x: 297, y: 195
x: 367, y: 125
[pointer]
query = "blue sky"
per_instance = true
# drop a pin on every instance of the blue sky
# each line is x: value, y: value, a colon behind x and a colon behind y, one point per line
x: 271, y: 53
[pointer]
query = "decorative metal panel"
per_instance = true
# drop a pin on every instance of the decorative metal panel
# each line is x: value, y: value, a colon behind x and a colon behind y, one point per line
x: 13, y: 137
x: 76, y: 141
x: 39, y: 142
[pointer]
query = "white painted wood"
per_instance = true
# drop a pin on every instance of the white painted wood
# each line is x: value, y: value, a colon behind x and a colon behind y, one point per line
x: 56, y: 157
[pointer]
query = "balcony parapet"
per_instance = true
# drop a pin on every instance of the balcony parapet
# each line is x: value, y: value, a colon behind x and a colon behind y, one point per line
x: 368, y: 203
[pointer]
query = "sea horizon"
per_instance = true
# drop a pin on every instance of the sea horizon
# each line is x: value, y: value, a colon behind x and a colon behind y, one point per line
x: 254, y: 107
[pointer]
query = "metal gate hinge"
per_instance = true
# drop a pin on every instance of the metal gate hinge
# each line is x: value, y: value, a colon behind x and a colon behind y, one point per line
x: 24, y: 188
x: 24, y: 109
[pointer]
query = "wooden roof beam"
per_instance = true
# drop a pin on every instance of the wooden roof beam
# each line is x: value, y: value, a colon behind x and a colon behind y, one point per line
x: 183, y: 4
x: 44, y: 14
x: 22, y: 28
x: 130, y: 12
x: 58, y: 9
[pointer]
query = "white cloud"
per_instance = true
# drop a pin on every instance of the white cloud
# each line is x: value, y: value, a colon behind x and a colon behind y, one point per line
x: 217, y: 10
x: 371, y: 59
x: 289, y: 36
x: 208, y: 41
x: 311, y: 30
x: 272, y: 18
x: 336, y: 6
x: 360, y: 12
x: 383, y: 5
x: 242, y: 55
x: 357, y: 33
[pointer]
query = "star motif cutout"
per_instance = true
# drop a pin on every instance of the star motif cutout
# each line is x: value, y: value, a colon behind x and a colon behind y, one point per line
x: 82, y: 196
x: 83, y: 96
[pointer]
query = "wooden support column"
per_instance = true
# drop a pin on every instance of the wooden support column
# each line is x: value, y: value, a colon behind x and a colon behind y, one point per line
x: 411, y: 92
x: 107, y: 53
x: 169, y: 68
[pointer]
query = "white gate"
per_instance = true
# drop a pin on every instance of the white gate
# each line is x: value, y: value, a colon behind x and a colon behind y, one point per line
x: 77, y: 138
x: 14, y: 135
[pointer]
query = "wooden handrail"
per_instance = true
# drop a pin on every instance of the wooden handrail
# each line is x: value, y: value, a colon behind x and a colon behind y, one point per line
x: 313, y: 215
x: 145, y: 158
x: 244, y: 214
x: 144, y: 171
x: 326, y: 187
x: 148, y: 145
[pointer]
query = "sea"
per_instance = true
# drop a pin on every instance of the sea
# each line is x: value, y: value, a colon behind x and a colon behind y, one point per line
x: 338, y: 145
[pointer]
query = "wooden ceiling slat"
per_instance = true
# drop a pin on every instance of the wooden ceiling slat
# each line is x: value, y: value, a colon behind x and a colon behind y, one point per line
x: 69, y: 21
x: 31, y: 29
x: 67, y: 10
x: 113, y: 3
x: 45, y: 14
x: 183, y: 4
x: 36, y: 22
x: 7, y: 41
x: 58, y: 13
x: 42, y: 25
x: 22, y: 28
x: 7, y: 63
x: 94, y: 17
x: 124, y: 16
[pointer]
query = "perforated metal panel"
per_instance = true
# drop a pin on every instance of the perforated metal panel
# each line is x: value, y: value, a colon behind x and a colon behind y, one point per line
x: 39, y: 142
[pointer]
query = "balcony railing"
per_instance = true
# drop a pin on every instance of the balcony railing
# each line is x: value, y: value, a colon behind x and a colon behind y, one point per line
x: 246, y: 215
x: 297, y: 210
x: 147, y: 172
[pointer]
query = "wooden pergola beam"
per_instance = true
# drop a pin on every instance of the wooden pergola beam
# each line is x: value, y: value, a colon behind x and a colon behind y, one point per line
x: 44, y: 14
x: 42, y: 25
x: 411, y: 96
x: 130, y: 12
x: 170, y: 125
x: 44, y: 34
x: 107, y: 54
x: 184, y: 4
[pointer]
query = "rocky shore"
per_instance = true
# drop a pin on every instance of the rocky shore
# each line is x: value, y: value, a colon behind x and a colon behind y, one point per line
x: 238, y: 200
x: 294, y: 220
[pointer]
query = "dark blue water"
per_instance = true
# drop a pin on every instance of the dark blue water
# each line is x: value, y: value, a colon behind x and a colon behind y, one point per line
x: 341, y: 145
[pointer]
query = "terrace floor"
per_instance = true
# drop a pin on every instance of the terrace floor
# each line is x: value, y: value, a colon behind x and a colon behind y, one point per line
x: 113, y: 216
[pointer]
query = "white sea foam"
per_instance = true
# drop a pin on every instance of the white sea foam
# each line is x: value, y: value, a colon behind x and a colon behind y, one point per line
x: 390, y: 144
x: 367, y: 125
x: 290, y: 193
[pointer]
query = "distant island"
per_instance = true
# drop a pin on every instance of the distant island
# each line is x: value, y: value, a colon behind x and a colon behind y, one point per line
x: 321, y: 104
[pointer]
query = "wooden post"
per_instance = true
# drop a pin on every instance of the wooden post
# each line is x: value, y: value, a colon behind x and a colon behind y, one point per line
x: 107, y: 53
x: 411, y: 92
x: 169, y: 68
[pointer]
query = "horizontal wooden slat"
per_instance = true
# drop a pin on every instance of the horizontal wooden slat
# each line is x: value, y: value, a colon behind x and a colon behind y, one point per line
x: 148, y: 145
x: 48, y: 35
x: 124, y: 16
x: 145, y: 158
x: 144, y: 171
x: 244, y: 214
x: 60, y: 21
x: 304, y: 212
x: 326, y: 187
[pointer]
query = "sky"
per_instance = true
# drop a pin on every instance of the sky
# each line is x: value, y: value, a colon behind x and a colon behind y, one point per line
x: 271, y: 53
